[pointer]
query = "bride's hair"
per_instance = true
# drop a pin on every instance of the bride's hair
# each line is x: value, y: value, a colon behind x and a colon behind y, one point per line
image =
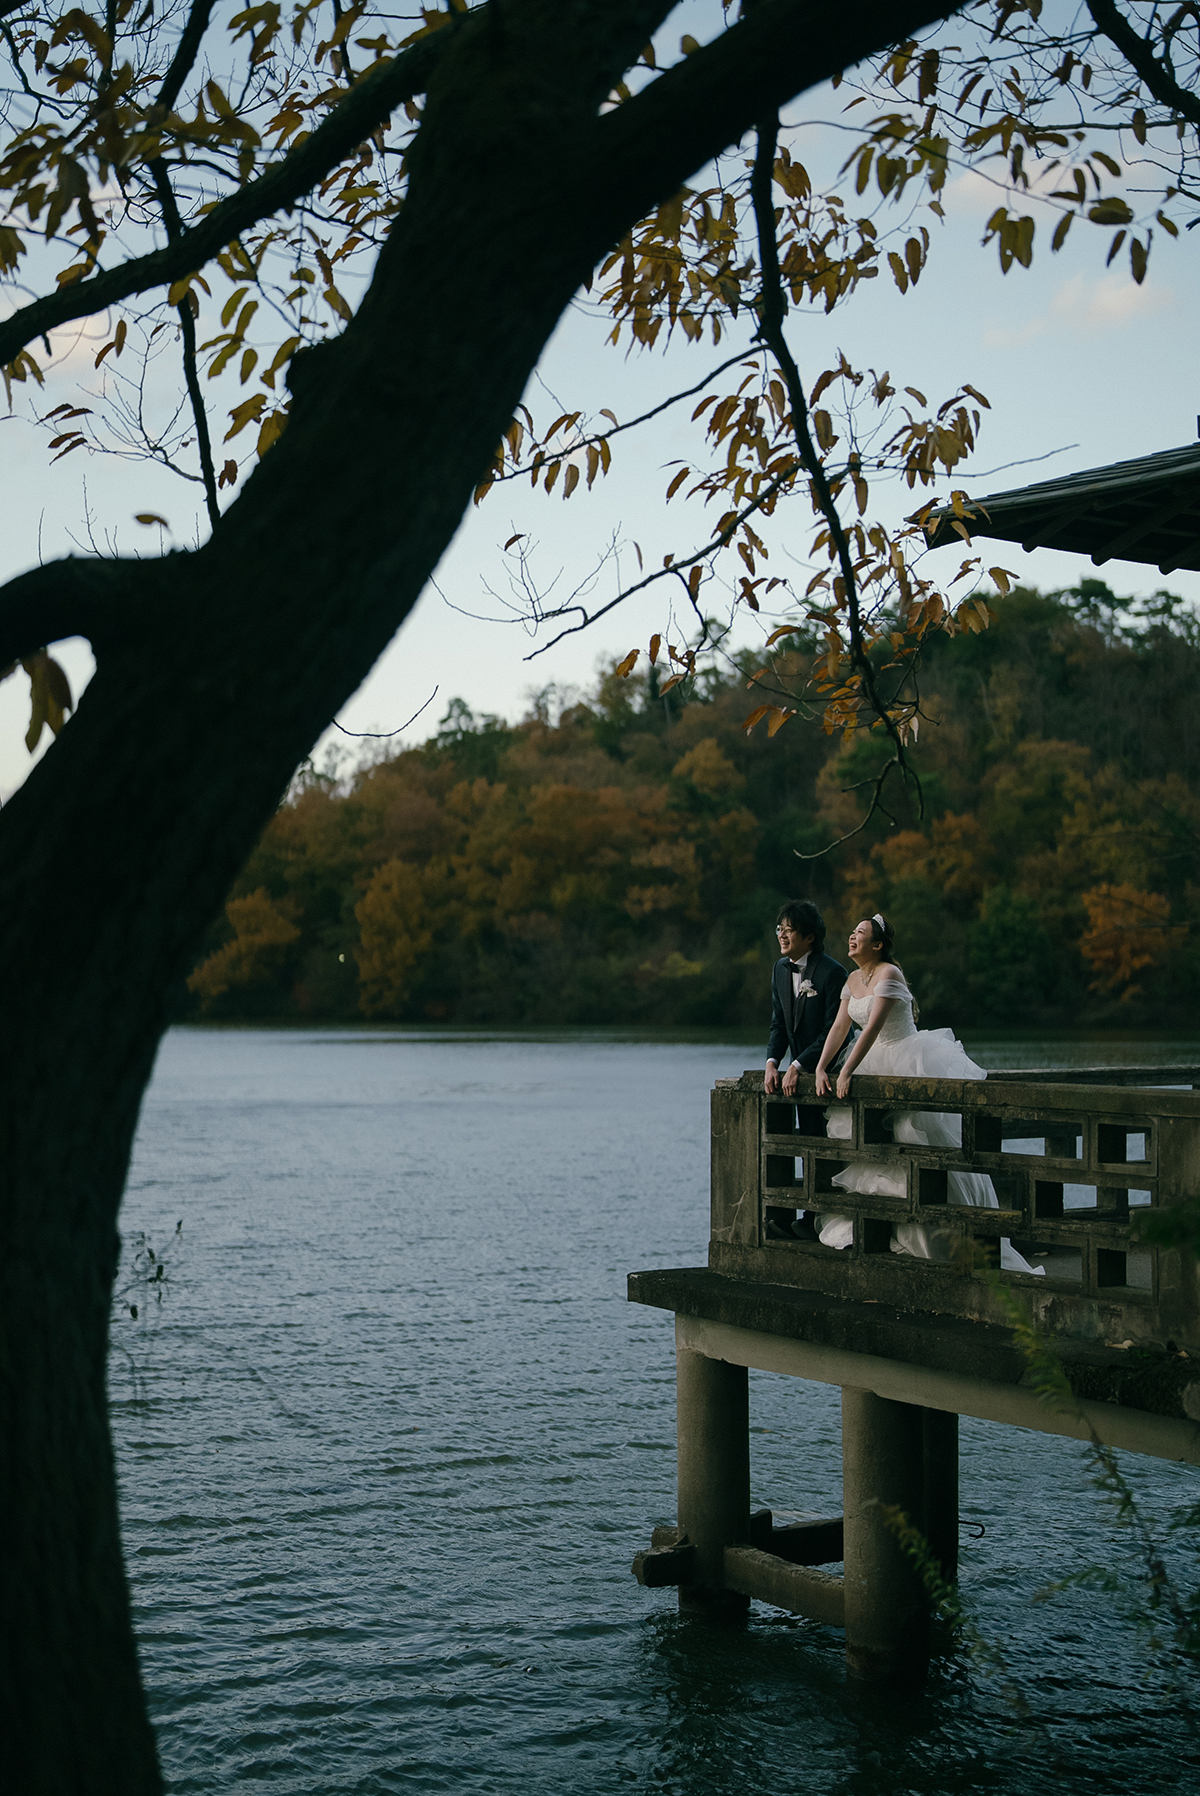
x: 883, y: 933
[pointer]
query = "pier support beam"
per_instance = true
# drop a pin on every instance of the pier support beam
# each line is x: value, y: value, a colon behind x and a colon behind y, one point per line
x: 883, y: 1464
x: 713, y: 1422
x: 939, y: 1443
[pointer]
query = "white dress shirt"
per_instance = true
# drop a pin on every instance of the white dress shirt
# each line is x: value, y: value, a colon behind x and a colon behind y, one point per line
x: 799, y: 968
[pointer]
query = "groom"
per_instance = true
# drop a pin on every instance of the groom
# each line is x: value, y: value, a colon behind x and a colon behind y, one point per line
x: 806, y: 990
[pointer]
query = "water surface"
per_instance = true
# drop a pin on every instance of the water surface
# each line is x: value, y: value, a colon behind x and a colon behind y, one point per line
x: 391, y: 1440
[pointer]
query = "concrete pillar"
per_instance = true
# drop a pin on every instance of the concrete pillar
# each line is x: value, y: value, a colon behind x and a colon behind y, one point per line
x: 939, y: 1440
x: 713, y: 1422
x: 883, y: 1463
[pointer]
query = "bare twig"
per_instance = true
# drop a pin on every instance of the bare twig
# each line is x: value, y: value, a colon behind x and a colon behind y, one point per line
x: 719, y: 541
x: 875, y: 805
x: 385, y: 735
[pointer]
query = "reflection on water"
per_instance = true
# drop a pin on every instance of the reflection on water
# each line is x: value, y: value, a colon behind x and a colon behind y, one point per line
x: 396, y: 1435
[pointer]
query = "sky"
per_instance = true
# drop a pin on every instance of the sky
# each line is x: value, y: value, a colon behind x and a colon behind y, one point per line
x: 1081, y: 368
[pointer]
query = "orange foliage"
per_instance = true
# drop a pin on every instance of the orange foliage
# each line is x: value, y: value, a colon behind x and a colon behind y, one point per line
x: 1127, y: 932
x: 951, y: 856
x: 393, y: 917
x: 263, y: 931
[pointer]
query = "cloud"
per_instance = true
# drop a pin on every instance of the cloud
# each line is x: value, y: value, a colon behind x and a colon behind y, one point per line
x: 1088, y: 305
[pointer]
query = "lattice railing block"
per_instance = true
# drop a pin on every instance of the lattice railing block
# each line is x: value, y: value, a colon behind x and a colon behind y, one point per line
x: 1074, y: 1171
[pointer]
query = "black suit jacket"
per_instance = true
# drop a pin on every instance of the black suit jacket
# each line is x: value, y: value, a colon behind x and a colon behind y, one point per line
x: 801, y: 1026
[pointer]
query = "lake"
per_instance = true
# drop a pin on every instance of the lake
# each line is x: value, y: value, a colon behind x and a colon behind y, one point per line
x: 392, y: 1437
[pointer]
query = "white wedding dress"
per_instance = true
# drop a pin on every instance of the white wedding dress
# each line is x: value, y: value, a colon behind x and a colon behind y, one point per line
x: 902, y: 1050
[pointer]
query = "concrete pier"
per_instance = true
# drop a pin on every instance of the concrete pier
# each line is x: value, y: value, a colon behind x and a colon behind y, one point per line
x: 939, y: 1434
x: 915, y: 1343
x: 713, y: 1429
x: 883, y: 1467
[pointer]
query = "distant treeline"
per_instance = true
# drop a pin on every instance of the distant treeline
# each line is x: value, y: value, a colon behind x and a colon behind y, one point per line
x: 623, y: 861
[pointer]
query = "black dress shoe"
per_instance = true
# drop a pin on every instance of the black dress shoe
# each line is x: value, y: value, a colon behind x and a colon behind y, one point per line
x: 778, y: 1231
x: 804, y: 1229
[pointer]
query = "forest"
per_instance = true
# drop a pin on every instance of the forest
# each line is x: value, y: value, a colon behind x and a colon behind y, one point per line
x: 620, y: 859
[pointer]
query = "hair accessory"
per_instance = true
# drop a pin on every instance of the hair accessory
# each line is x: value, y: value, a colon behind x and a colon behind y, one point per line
x: 878, y: 919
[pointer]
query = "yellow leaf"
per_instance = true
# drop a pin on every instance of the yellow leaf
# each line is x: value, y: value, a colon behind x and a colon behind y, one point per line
x: 147, y: 517
x: 244, y: 413
x: 334, y: 300
x: 49, y: 696
x: 655, y: 645
x: 231, y: 305
x: 283, y: 354
x: 271, y: 427
x: 756, y: 716
x: 570, y: 480
x: 623, y: 669
x: 1110, y: 212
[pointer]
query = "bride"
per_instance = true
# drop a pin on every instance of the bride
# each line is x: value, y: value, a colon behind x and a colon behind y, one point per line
x: 876, y: 998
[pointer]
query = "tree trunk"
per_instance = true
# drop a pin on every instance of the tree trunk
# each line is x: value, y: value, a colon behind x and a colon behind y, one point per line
x: 216, y: 672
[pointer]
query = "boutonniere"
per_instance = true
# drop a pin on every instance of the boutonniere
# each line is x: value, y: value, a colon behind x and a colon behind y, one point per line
x: 807, y: 989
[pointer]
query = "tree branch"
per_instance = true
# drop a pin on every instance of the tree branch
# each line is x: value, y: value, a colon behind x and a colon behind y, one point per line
x: 770, y: 330
x: 1140, y: 56
x: 187, y: 326
x: 363, y: 110
x: 186, y: 51
x: 95, y: 599
x: 652, y: 143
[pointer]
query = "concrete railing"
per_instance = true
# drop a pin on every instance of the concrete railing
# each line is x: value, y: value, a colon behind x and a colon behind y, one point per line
x: 1076, y: 1167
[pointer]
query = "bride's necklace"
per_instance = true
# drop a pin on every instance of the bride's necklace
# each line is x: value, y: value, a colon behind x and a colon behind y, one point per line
x: 868, y: 983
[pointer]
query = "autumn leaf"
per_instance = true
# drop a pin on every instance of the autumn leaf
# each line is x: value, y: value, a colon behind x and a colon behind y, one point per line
x: 49, y: 696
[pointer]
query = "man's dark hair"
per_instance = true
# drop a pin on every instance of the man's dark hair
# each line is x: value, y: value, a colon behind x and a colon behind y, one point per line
x: 805, y: 917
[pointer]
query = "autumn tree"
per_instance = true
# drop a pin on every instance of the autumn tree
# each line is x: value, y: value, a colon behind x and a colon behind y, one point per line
x: 209, y: 180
